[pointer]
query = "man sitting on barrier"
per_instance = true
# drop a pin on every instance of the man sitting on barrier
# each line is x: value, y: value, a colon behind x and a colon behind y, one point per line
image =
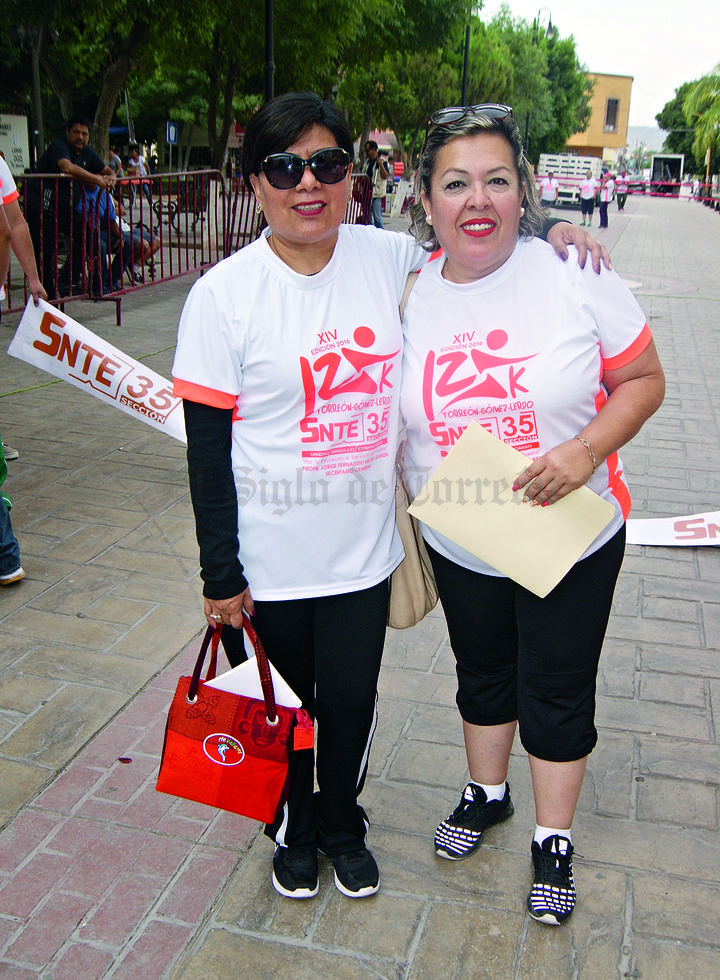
x: 72, y: 155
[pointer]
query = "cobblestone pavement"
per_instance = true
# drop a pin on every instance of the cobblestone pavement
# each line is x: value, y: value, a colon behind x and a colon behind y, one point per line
x: 100, y: 876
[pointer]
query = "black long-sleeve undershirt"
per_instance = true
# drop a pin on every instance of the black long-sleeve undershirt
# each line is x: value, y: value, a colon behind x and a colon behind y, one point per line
x: 214, y: 498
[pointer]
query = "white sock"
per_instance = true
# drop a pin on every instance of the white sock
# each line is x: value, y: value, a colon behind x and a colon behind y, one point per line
x: 542, y: 833
x: 492, y: 791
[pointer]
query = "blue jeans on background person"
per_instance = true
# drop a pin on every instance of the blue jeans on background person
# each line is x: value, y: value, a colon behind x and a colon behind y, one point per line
x: 9, y: 547
x: 377, y: 212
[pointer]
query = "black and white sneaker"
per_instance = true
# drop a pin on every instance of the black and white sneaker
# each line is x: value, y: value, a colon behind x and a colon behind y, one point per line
x: 552, y: 896
x: 295, y: 872
x: 356, y: 874
x: 461, y: 834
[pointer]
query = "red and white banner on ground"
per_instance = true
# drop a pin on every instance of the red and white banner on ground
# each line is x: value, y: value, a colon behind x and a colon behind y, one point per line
x: 50, y: 340
x: 61, y: 346
x: 693, y: 530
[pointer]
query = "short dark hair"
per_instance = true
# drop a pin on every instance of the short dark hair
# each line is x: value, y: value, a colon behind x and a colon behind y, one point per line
x: 283, y: 120
x: 77, y: 120
x: 371, y: 145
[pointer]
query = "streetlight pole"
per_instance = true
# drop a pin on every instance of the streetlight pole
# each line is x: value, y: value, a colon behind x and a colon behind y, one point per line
x: 550, y: 33
x: 269, y: 51
x: 466, y: 62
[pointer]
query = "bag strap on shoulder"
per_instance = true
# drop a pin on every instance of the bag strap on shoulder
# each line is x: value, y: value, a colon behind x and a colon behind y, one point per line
x: 409, y: 283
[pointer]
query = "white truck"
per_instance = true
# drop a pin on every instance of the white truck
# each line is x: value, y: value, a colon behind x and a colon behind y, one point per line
x: 569, y: 171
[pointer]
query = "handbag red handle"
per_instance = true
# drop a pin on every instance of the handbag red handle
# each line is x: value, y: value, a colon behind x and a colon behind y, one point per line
x: 212, y: 639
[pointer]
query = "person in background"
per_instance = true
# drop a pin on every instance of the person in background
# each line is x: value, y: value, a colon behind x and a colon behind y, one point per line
x: 549, y: 189
x: 115, y: 163
x: 622, y: 190
x: 11, y: 571
x: 578, y: 350
x: 377, y: 173
x: 288, y: 361
x: 137, y: 168
x: 71, y: 155
x: 5, y: 237
x: 607, y: 189
x: 587, y: 198
x: 22, y: 244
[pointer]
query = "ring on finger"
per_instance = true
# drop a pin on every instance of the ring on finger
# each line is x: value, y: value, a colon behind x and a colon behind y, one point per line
x: 215, y: 616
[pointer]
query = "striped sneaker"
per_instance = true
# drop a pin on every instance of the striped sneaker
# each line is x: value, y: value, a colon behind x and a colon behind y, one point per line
x: 552, y: 896
x: 461, y: 834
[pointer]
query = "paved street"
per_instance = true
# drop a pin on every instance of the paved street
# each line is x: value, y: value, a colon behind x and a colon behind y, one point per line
x: 102, y: 877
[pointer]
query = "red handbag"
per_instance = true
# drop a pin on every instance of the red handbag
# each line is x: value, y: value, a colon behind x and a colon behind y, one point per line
x: 227, y: 750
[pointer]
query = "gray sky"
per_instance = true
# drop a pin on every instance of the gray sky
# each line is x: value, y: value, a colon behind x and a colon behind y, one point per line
x: 660, y: 43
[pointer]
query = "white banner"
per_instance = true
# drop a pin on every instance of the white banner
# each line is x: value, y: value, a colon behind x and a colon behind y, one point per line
x: 61, y: 346
x: 693, y: 530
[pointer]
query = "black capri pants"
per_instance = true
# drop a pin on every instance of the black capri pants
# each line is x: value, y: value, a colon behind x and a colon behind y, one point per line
x: 587, y: 206
x: 531, y: 660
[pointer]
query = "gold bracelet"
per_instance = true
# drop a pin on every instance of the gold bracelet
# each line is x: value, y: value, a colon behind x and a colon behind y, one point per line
x: 589, y: 449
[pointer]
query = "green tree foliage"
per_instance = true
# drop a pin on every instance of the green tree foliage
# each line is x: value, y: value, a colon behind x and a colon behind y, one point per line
x: 550, y: 91
x: 671, y: 118
x: 570, y: 92
x: 702, y: 111
x: 397, y: 71
x: 87, y: 54
x: 388, y: 62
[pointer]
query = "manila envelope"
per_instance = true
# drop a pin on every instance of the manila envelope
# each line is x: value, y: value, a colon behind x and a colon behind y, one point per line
x: 469, y: 499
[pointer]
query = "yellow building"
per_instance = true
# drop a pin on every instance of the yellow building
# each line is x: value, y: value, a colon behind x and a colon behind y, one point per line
x: 606, y: 136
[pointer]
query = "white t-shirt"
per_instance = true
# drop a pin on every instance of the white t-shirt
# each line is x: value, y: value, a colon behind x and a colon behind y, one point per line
x: 549, y: 189
x: 138, y: 165
x: 520, y: 351
x: 8, y: 190
x: 588, y: 187
x: 311, y: 366
x: 607, y: 191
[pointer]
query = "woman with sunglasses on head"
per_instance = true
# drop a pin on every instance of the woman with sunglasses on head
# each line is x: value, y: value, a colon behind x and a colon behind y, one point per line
x: 288, y: 361
x: 560, y: 364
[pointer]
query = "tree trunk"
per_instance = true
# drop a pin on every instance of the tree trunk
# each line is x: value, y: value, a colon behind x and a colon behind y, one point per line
x: 218, y: 155
x: 61, y: 90
x: 116, y: 75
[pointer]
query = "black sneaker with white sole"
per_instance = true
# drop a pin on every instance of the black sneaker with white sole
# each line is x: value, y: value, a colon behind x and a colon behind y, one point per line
x: 356, y: 874
x: 295, y: 872
x: 552, y: 896
x: 460, y: 835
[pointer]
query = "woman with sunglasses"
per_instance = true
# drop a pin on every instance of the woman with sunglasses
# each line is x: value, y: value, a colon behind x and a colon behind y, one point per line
x: 560, y: 364
x: 288, y: 361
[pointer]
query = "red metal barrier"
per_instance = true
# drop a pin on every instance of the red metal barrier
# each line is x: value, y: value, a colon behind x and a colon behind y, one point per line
x: 56, y: 208
x: 359, y: 208
x: 168, y: 225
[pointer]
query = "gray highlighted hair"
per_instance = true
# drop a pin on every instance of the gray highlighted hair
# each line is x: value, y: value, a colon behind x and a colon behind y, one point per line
x: 532, y: 221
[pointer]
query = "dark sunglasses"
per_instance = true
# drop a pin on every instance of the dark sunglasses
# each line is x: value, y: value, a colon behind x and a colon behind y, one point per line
x: 285, y: 170
x: 494, y: 110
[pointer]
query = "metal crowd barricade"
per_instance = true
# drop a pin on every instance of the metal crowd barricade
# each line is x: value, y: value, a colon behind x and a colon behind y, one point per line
x: 244, y: 224
x: 56, y: 210
x: 168, y: 226
x: 359, y: 208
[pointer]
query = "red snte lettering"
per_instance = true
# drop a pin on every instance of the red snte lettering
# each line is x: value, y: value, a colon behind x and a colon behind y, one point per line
x: 67, y: 351
x: 91, y: 352
x: 696, y: 533
x: 107, y: 366
x: 46, y: 328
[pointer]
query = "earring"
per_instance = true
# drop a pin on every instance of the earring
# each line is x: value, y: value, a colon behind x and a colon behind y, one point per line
x: 522, y: 212
x: 258, y: 209
x: 428, y: 219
